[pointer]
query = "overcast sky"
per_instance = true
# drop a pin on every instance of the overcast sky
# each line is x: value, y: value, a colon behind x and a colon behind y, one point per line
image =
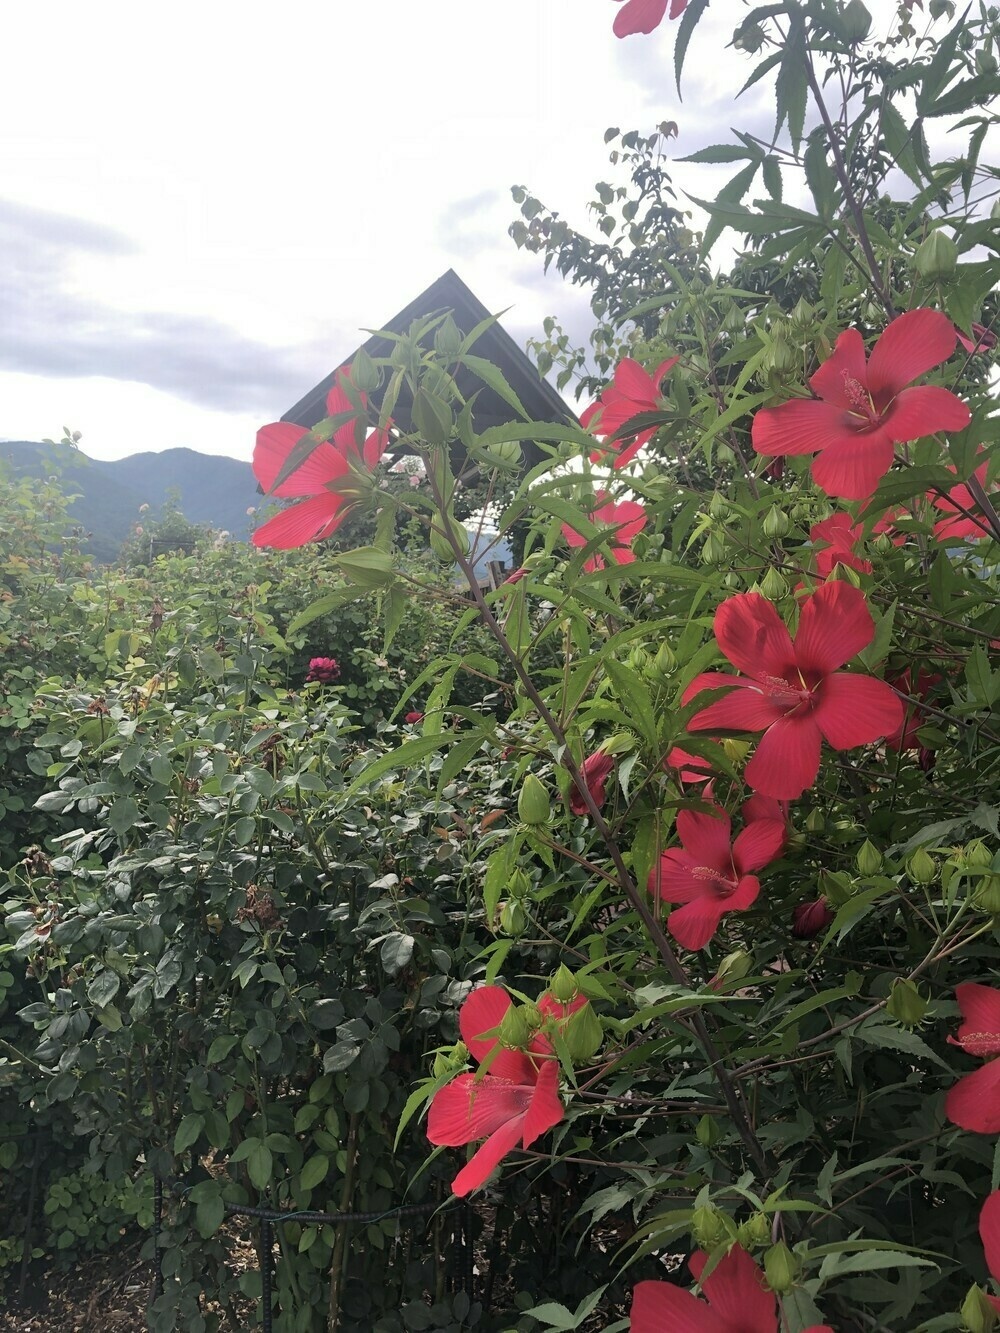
x: 202, y: 204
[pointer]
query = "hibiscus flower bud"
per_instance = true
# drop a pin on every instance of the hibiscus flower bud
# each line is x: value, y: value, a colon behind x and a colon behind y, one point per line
x: 803, y: 313
x: 756, y: 1230
x: 734, y: 967
x: 868, y: 859
x: 808, y: 919
x: 773, y: 586
x: 776, y: 522
x: 563, y: 985
x: 734, y: 750
x: 363, y: 372
x: 532, y: 1016
x: 855, y: 22
x: 719, y: 507
x: 711, y: 1228
x: 446, y: 534
x: 448, y: 337
x: 842, y: 573
x: 882, y: 544
x: 583, y: 1034
x: 815, y: 821
x: 978, y: 854
x: 921, y: 867
x: 639, y: 661
x: 978, y: 1312
x: 936, y: 256
x: 714, y: 550
x: 519, y: 885
x: 513, y: 919
x: 515, y: 1031
x: 905, y: 1004
x: 506, y: 456
x: 836, y: 887
x: 533, y: 805
x: 663, y: 663
x: 987, y: 894
x: 707, y: 1132
x: 450, y: 1062
x: 781, y: 1268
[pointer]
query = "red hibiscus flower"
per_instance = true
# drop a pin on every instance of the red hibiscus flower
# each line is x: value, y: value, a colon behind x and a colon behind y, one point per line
x: 863, y: 409
x: 793, y: 692
x: 326, y: 484
x: 840, y: 536
x: 323, y: 669
x: 595, y: 771
x: 645, y: 15
x: 989, y: 1232
x: 808, y: 919
x: 982, y: 339
x: 624, y: 522
x: 516, y: 1101
x: 962, y: 510
x: 632, y: 391
x: 737, y: 1301
x: 974, y: 1101
x: 709, y: 875
x: 905, y: 736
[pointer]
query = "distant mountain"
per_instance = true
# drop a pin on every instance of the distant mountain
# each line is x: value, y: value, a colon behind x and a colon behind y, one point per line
x: 208, y: 489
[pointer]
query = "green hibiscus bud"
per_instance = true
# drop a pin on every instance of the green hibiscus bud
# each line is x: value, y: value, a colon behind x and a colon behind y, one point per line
x: 446, y: 534
x: 734, y: 967
x: 803, y: 314
x: 714, y: 550
x: 776, y: 522
x: 719, y: 507
x: 835, y: 886
x: 448, y: 337
x: 533, y: 805
x: 868, y: 859
x: 815, y: 821
x: 987, y: 894
x: 515, y: 1030
x: 364, y: 372
x: 506, y: 456
x: 583, y: 1034
x: 905, y: 1004
x: 978, y: 1314
x: 781, y: 1267
x: 432, y: 417
x: 936, y: 256
x: 707, y: 1131
x: 755, y: 1231
x: 450, y: 1062
x: 513, y: 919
x: 882, y: 544
x: 563, y: 985
x: 773, y: 586
x: 978, y: 854
x: 921, y: 867
x: 639, y: 661
x: 855, y: 22
x: 711, y: 1228
x: 663, y: 663
x: 519, y: 885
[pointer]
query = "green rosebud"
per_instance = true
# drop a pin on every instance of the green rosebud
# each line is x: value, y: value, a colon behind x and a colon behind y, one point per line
x: 773, y: 586
x: 755, y: 1231
x: 533, y: 805
x: 513, y: 919
x: 781, y: 1267
x: 855, y: 22
x: 936, y: 256
x: 978, y: 1313
x: 515, y: 1031
x: 905, y: 1004
x: 868, y: 859
x: 815, y: 820
x: 978, y: 854
x: 776, y: 522
x: 707, y: 1131
x: 921, y: 867
x: 583, y: 1034
x: 711, y: 1228
x: 519, y: 885
x: 563, y: 985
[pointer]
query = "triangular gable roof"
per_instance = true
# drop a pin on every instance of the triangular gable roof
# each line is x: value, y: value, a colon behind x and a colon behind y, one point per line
x: 449, y: 292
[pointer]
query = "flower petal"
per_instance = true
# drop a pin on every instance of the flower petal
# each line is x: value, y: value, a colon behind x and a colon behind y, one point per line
x: 753, y: 636
x: 759, y: 844
x: 468, y: 1108
x: 924, y: 410
x: 834, y: 625
x: 673, y: 877
x: 801, y: 426
x: 853, y: 465
x: 481, y: 1166
x: 545, y: 1108
x: 308, y: 521
x: 786, y: 759
x: 736, y: 1292
x: 706, y: 837
x: 856, y: 710
x: 989, y: 1231
x: 694, y: 924
x: 745, y: 709
x: 275, y: 442
x: 659, y: 1306
x: 980, y: 1009
x: 631, y: 379
x: 912, y: 344
x: 974, y: 1102
x: 639, y: 16
x: 846, y: 362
